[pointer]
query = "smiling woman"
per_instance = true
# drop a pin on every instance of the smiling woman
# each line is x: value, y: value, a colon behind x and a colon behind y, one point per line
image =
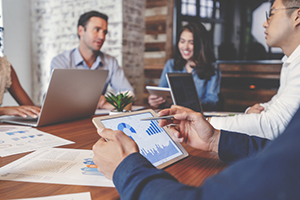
x: 194, y: 55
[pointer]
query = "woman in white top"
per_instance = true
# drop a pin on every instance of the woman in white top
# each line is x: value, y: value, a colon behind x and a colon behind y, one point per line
x: 10, y: 82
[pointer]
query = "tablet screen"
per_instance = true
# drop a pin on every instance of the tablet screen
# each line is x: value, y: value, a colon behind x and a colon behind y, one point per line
x: 154, y: 142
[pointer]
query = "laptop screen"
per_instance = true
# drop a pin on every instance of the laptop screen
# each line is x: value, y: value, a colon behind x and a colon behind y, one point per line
x: 183, y: 90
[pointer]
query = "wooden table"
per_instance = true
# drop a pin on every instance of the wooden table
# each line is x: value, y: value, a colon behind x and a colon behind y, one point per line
x: 193, y: 170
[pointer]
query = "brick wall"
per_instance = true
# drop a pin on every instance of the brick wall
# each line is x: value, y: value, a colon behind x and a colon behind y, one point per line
x: 133, y: 45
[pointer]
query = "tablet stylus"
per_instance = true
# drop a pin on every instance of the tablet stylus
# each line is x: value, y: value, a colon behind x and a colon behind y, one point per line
x: 171, y: 117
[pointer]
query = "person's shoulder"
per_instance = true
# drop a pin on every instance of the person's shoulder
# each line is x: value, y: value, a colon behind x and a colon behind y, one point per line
x: 170, y: 63
x: 107, y: 56
x: 109, y: 60
x: 64, y: 55
x: 4, y: 62
x: 62, y: 60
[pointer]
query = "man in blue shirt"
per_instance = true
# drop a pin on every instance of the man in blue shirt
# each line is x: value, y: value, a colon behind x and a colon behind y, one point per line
x: 92, y: 29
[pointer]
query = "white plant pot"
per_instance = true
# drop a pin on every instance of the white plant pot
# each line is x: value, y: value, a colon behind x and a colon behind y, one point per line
x: 115, y: 112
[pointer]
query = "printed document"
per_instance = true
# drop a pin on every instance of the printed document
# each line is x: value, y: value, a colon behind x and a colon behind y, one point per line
x: 58, y: 166
x: 76, y: 196
x: 21, y: 139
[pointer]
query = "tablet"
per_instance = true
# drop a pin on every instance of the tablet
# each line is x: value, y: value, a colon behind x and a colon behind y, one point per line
x: 161, y: 92
x: 183, y: 91
x: 154, y: 142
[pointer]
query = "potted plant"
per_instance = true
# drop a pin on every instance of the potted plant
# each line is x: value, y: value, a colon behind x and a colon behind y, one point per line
x: 120, y: 101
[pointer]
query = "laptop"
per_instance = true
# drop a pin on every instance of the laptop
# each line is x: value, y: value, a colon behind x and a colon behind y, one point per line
x: 72, y: 94
x: 155, y: 143
x: 183, y: 91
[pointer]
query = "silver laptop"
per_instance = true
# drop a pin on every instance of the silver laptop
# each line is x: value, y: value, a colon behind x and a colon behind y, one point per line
x: 183, y: 91
x: 72, y: 94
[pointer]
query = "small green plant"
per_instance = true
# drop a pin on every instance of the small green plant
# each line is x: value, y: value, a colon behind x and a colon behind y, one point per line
x: 119, y: 101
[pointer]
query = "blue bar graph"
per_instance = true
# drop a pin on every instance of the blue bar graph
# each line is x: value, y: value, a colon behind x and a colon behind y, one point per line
x: 159, y: 152
x: 153, y: 128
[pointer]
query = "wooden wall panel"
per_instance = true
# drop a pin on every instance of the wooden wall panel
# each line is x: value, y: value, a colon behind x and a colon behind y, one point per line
x: 158, y: 39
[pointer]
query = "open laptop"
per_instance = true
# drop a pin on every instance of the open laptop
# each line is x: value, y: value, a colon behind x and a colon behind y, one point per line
x: 72, y: 94
x: 183, y: 91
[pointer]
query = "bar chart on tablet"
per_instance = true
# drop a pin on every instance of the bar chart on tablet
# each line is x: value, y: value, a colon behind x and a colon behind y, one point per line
x: 152, y: 140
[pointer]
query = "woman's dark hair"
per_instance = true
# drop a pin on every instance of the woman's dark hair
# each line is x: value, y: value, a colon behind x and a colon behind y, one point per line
x: 203, y: 56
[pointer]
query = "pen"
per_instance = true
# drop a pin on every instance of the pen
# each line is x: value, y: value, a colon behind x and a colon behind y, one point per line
x: 171, y: 117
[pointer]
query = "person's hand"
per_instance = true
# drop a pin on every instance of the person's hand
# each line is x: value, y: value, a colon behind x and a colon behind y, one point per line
x: 101, y: 102
x: 104, y: 104
x: 154, y: 101
x: 256, y: 109
x: 111, y: 149
x: 191, y: 128
x: 22, y: 111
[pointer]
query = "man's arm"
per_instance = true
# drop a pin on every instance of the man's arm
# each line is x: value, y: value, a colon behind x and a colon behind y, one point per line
x: 27, y: 107
x: 266, y: 176
x: 137, y: 178
x: 17, y: 91
x: 277, y: 113
x: 235, y: 146
x: 118, y: 80
x: 271, y: 174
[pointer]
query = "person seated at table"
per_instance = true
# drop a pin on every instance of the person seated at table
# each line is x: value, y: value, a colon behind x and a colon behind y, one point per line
x: 269, y: 119
x: 261, y: 169
x: 92, y: 30
x: 10, y: 82
x: 193, y: 54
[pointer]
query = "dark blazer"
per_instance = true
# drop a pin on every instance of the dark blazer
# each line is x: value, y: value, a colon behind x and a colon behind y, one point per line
x: 261, y: 169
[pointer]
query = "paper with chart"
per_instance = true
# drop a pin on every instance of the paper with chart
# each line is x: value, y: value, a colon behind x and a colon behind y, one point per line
x: 58, y: 166
x: 75, y: 196
x: 21, y: 139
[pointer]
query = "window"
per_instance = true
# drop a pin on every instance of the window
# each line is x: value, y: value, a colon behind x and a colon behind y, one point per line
x: 201, y: 8
x: 206, y: 11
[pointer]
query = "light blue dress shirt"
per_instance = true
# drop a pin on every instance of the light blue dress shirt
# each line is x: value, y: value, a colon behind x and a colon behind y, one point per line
x: 207, y: 90
x: 73, y: 60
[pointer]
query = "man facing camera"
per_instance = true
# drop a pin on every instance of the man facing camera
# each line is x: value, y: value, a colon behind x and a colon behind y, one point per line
x: 92, y: 29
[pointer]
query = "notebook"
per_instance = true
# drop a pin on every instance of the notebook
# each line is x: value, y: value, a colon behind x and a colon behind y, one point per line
x: 72, y: 94
x: 154, y: 142
x: 183, y: 91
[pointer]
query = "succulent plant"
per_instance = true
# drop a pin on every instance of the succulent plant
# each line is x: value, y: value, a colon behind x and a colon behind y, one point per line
x: 119, y: 101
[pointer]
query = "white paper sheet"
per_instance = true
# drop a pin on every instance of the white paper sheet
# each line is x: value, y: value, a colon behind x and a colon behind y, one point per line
x: 76, y: 196
x: 58, y: 166
x: 21, y: 139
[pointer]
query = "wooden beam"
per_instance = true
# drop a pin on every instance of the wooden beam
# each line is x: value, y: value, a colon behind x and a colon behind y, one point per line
x: 160, y: 46
x: 157, y: 28
x: 156, y: 3
x: 157, y: 63
x: 156, y: 19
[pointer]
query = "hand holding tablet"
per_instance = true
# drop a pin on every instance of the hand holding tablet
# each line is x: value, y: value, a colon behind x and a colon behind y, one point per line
x: 154, y: 142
